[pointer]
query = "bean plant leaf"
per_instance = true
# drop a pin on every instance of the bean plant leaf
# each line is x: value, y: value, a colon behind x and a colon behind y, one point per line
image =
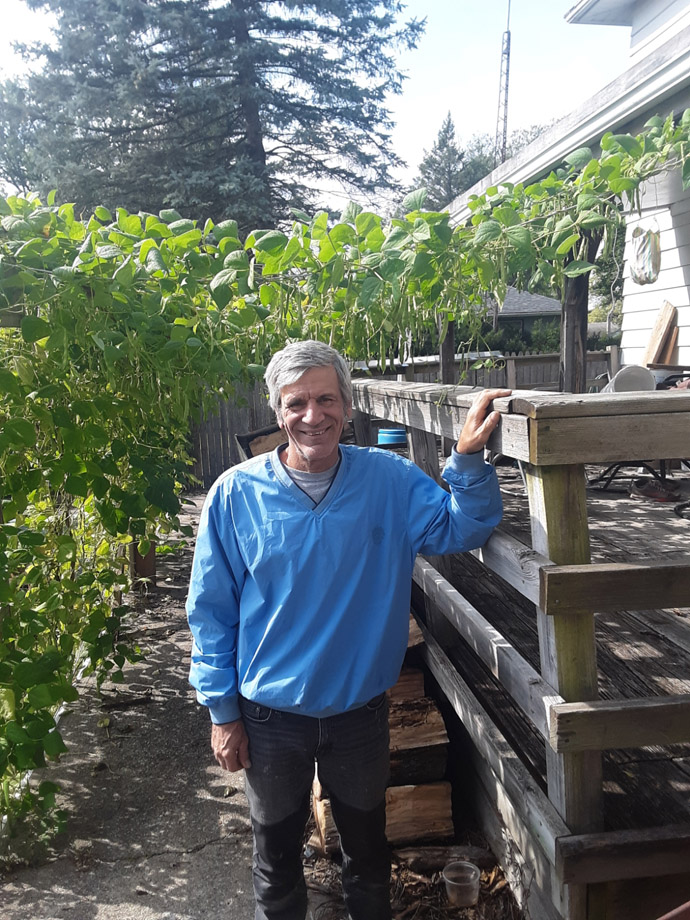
x: 579, y: 158
x: 487, y: 231
x: 34, y: 328
x: 414, y: 201
x: 573, y: 269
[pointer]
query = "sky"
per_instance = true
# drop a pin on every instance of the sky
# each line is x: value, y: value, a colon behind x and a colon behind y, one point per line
x: 554, y: 66
x: 456, y: 67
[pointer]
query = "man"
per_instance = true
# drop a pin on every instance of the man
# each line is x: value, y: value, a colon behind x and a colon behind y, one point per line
x: 299, y: 606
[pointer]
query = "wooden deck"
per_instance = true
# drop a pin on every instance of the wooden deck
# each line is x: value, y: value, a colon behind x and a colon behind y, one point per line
x: 640, y: 654
x: 571, y: 696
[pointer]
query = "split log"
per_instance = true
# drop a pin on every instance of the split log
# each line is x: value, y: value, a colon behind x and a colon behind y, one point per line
x: 410, y: 685
x: 413, y: 813
x: 419, y: 765
x: 415, y: 639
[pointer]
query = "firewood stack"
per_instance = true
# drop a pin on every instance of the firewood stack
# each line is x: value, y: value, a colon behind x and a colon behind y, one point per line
x: 418, y: 800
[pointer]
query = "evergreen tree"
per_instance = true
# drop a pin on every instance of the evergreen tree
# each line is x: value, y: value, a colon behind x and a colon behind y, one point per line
x: 441, y: 168
x: 235, y: 109
x: 449, y: 169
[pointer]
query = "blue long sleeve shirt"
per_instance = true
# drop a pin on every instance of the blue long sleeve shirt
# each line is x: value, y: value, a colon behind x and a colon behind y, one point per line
x: 306, y: 609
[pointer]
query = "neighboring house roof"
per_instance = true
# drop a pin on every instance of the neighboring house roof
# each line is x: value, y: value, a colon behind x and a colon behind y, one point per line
x: 522, y: 304
x: 658, y: 83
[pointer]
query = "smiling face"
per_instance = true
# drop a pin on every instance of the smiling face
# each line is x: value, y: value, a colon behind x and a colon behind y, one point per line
x: 313, y: 419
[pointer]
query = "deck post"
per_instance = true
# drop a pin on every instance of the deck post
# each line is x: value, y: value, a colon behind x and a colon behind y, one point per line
x: 567, y: 650
x: 364, y: 433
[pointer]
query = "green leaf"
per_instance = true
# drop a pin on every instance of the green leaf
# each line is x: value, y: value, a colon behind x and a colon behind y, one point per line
x: 41, y: 697
x: 350, y: 212
x: 180, y: 226
x: 268, y: 294
x: 103, y: 214
x: 274, y: 242
x: 34, y: 329
x: 53, y: 744
x: 226, y: 228
x: 221, y: 287
x: 365, y: 222
x: 573, y: 269
x: 154, y: 262
x: 567, y: 244
x: 629, y: 143
x: 414, y: 201
x: 519, y: 237
x: 77, y: 485
x: 20, y: 432
x: 370, y: 290
x: 185, y: 240
x: 623, y: 184
x: 506, y: 216
x: 237, y: 260
x: 109, y: 251
x: 487, y: 231
x: 579, y: 158
x: 398, y: 238
x: 590, y: 220
x: 9, y: 382
x: 169, y: 215
x: 15, y: 733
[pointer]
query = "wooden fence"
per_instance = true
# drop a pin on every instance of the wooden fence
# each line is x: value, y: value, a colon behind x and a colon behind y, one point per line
x: 572, y: 865
x: 213, y: 441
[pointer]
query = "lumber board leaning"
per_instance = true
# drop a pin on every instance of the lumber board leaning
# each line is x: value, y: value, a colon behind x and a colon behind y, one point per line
x: 629, y: 854
x: 536, y: 812
x: 665, y: 322
x: 606, y: 587
x: 438, y: 409
x: 605, y: 725
x: 524, y: 684
x: 515, y: 561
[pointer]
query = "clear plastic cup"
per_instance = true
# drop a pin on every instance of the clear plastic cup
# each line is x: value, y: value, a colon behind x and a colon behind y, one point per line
x: 462, y: 883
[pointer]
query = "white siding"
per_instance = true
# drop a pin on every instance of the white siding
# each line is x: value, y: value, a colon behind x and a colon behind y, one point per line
x: 641, y: 303
x: 654, y: 23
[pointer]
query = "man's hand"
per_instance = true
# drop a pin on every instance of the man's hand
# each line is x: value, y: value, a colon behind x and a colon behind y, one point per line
x: 231, y: 745
x: 480, y: 422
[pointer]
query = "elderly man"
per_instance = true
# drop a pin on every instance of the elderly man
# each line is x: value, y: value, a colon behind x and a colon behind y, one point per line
x: 299, y: 606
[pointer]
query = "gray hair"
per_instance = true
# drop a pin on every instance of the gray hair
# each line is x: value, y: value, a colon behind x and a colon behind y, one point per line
x: 289, y: 364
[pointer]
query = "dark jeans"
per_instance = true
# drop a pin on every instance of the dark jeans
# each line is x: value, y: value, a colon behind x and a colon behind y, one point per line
x: 351, y: 751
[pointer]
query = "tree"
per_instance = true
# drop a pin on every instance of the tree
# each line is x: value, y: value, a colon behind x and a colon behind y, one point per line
x: 238, y: 109
x: 441, y: 168
x: 449, y: 169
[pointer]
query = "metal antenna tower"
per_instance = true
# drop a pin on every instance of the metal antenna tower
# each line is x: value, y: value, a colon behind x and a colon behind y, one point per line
x: 501, y: 142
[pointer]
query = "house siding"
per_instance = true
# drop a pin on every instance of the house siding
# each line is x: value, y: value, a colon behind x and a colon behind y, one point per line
x: 641, y: 303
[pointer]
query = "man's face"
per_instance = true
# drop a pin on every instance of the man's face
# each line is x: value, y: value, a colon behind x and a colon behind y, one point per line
x: 313, y: 419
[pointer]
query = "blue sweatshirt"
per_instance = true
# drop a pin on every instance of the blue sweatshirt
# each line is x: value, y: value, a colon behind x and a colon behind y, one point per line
x: 306, y: 609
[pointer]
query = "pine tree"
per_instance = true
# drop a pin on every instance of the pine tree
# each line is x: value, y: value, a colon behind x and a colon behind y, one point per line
x: 441, y: 168
x: 449, y: 169
x: 239, y: 109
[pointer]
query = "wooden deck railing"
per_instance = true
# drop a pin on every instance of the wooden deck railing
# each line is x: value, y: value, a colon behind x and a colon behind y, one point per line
x: 554, y: 436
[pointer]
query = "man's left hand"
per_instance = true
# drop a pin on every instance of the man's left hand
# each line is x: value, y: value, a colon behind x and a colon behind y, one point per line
x: 480, y: 422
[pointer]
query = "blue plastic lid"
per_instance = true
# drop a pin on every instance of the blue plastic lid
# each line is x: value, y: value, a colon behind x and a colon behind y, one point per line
x: 392, y: 436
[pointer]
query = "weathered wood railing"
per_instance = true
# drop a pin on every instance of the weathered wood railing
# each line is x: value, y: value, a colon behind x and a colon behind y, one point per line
x: 554, y: 435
